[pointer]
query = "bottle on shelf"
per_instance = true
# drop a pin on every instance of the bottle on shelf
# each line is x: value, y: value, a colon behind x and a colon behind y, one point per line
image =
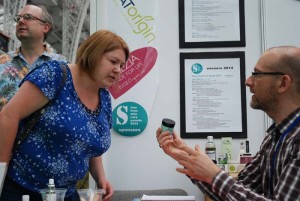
x: 51, y: 194
x: 210, y: 148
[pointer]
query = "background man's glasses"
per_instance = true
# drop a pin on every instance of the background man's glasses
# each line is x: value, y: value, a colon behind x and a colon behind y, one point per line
x: 255, y: 74
x: 27, y: 17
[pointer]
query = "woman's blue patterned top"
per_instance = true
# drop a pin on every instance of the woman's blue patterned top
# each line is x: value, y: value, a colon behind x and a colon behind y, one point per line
x: 66, y: 137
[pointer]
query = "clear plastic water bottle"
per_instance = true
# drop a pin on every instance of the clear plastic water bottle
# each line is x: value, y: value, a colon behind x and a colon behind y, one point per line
x: 210, y: 148
x: 51, y: 193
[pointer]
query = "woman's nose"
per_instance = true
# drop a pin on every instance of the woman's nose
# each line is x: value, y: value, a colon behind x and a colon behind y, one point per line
x: 117, y: 68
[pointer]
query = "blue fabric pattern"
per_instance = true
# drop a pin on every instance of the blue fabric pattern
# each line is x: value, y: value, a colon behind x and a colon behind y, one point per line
x: 66, y: 137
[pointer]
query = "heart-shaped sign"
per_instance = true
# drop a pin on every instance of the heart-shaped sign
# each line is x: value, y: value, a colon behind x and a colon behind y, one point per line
x: 139, y: 63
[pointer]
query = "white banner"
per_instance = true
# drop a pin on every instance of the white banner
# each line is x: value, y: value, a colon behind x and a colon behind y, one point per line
x: 134, y: 95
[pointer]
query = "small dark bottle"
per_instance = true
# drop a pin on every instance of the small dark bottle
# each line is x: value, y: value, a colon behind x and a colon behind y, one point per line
x: 167, y: 125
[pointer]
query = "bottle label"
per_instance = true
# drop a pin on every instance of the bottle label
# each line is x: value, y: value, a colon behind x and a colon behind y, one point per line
x: 211, y: 154
x: 165, y: 128
x: 210, y: 149
x: 222, y: 159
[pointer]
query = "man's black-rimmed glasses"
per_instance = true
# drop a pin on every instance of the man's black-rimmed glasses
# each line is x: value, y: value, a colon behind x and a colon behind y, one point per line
x: 254, y: 74
x: 27, y: 17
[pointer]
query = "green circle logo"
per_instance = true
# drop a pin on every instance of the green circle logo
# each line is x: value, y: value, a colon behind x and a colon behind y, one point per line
x: 196, y: 68
x: 129, y: 119
x: 232, y: 168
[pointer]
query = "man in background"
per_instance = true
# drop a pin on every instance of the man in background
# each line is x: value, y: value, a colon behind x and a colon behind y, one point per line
x: 33, y: 25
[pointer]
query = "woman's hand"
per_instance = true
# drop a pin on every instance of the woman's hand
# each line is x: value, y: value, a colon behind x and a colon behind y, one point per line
x: 97, y: 172
x: 108, y: 191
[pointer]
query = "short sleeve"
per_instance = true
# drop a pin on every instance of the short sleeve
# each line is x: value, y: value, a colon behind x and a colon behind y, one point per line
x: 47, y: 77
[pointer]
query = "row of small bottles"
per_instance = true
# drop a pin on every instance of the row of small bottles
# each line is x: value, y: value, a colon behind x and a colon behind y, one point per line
x: 210, y: 150
x: 50, y: 194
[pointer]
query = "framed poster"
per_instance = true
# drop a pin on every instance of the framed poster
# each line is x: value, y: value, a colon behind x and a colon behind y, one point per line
x: 218, y: 23
x: 213, y: 95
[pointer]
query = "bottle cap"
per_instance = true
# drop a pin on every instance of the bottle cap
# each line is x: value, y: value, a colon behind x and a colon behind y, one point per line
x: 168, y: 123
x: 51, y: 181
x: 210, y: 138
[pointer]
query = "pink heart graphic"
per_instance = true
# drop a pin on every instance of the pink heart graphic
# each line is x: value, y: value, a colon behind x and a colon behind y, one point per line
x: 140, y: 62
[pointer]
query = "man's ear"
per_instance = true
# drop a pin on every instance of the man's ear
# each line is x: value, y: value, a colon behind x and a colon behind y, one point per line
x: 47, y: 28
x: 285, y: 83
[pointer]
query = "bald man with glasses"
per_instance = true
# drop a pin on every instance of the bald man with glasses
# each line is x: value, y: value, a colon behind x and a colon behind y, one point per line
x: 33, y: 25
x: 274, y: 172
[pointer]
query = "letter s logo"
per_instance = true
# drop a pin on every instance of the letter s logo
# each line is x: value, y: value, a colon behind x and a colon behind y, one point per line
x: 194, y: 68
x: 129, y: 119
x: 122, y: 116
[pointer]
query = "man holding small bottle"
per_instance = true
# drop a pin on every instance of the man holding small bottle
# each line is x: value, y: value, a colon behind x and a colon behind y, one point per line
x: 274, y: 172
